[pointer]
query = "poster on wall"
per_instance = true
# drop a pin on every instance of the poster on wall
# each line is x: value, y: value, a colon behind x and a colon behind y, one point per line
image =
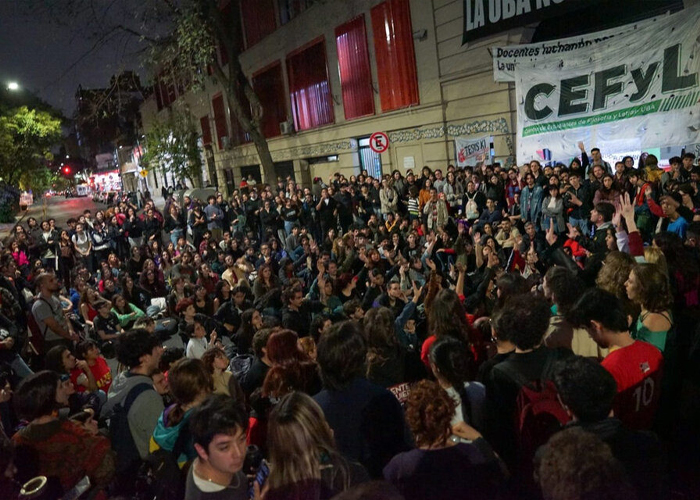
x: 506, y: 59
x: 631, y: 92
x: 486, y: 17
x: 469, y: 152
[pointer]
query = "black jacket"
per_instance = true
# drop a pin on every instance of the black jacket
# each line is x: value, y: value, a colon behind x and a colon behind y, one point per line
x: 639, y: 452
x: 367, y: 422
x: 300, y: 321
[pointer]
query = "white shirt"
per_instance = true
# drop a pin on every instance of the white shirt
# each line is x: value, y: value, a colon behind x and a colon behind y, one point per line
x: 196, y: 348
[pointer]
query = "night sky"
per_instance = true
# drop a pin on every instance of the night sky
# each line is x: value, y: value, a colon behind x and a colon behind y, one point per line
x: 42, y: 54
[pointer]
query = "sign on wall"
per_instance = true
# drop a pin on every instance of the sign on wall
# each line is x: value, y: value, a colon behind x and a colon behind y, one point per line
x: 469, y: 152
x: 486, y: 17
x: 634, y: 91
x: 506, y: 59
x: 379, y: 142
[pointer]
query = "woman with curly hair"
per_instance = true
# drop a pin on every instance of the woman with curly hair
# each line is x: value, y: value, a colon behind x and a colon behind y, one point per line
x: 444, y: 465
x: 648, y: 287
x: 612, y: 278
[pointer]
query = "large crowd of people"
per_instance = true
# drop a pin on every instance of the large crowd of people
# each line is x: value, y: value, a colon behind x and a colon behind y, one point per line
x: 481, y: 332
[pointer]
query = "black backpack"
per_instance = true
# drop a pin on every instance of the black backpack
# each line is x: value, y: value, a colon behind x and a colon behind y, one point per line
x: 160, y: 477
x: 128, y: 457
x: 240, y: 366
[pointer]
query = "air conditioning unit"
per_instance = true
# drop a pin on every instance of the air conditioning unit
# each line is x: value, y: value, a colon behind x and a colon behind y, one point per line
x: 226, y: 142
x: 286, y: 128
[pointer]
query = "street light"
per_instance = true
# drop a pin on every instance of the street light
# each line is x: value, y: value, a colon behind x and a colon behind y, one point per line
x: 13, y: 86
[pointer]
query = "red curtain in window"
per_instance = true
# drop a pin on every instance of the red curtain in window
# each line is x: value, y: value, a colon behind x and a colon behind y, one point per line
x: 396, y: 59
x: 355, y: 75
x: 309, y: 89
x: 220, y: 119
x: 270, y: 90
x: 206, y: 130
x: 258, y: 20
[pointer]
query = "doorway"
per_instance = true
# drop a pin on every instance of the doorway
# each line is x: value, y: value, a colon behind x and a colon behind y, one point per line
x: 369, y: 160
x: 284, y: 169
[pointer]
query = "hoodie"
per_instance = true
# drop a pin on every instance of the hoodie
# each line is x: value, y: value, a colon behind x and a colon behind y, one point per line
x: 166, y: 434
x: 144, y: 412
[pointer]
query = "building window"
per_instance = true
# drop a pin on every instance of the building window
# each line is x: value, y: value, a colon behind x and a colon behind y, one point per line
x: 309, y: 89
x: 289, y: 9
x: 269, y: 88
x: 353, y: 64
x: 206, y: 130
x: 396, y: 59
x: 258, y: 20
x: 220, y: 120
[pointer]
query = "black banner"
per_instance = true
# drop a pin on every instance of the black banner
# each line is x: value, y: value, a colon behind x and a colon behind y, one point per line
x: 486, y: 17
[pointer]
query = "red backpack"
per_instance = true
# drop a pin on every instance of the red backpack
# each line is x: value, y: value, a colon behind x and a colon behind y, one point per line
x: 539, y: 415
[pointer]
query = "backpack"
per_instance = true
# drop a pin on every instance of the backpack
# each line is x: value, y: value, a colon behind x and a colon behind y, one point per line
x: 240, y: 366
x: 471, y: 209
x: 37, y: 337
x: 160, y: 476
x: 128, y: 457
x: 539, y: 415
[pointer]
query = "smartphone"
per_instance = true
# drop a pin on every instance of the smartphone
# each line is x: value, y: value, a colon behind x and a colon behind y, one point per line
x: 260, y: 478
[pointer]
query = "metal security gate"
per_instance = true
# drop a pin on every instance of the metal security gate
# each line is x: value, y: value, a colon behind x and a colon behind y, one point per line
x: 369, y: 160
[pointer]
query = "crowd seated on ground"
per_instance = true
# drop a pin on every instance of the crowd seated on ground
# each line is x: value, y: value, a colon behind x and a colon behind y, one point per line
x: 483, y: 332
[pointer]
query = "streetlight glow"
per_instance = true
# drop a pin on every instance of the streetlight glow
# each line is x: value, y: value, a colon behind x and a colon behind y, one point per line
x: 13, y: 86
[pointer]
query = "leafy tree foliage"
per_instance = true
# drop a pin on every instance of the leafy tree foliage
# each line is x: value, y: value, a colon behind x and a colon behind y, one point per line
x: 26, y: 139
x: 171, y: 145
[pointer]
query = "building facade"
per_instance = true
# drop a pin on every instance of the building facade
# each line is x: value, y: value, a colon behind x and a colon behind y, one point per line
x: 331, y: 73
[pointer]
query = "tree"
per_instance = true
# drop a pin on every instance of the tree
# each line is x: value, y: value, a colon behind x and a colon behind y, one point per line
x: 184, y: 36
x: 171, y: 145
x: 204, y: 28
x: 26, y: 139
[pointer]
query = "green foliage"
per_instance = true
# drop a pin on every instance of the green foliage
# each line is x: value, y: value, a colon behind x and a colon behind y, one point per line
x: 26, y: 138
x: 171, y: 145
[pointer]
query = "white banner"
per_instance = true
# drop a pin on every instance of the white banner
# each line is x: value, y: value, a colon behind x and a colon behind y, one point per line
x: 506, y: 59
x: 471, y: 151
x: 634, y: 91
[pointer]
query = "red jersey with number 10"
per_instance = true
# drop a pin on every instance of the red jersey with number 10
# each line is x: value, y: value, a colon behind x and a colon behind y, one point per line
x: 637, y: 369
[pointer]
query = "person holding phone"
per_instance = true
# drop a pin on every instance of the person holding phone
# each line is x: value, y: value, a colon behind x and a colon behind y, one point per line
x: 218, y: 429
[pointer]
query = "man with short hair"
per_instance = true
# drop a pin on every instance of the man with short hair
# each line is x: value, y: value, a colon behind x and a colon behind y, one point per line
x: 587, y: 391
x: 635, y: 365
x: 140, y: 352
x: 218, y: 428
x: 48, y: 313
x: 596, y: 159
x: 393, y: 298
x: 686, y: 171
x: 577, y: 200
x: 601, y: 218
x: 296, y: 315
x: 215, y: 217
x: 261, y: 363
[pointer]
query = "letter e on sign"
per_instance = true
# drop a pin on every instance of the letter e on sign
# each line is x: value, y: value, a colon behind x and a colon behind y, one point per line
x: 379, y: 142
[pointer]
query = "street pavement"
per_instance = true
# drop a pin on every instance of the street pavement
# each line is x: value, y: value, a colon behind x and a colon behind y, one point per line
x: 58, y: 207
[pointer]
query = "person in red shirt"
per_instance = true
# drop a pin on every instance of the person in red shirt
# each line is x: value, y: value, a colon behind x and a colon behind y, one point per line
x: 88, y: 350
x: 636, y: 366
